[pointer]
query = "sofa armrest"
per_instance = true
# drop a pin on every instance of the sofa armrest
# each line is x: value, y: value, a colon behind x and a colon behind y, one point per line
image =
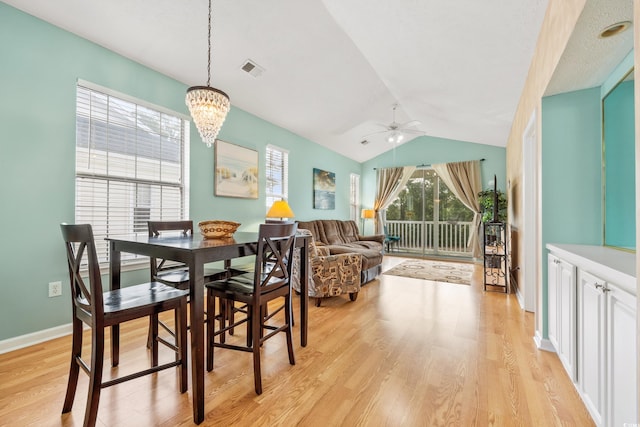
x: 328, y: 261
x: 323, y: 251
x: 335, y: 274
x: 374, y: 238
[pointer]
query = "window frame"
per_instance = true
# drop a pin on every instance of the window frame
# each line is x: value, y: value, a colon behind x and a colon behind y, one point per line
x: 160, y: 156
x: 354, y: 196
x: 279, y: 174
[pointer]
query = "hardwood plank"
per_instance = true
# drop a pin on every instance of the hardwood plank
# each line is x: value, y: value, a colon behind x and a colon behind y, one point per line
x: 407, y: 352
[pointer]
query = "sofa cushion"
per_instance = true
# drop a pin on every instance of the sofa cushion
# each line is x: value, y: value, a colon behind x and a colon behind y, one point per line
x: 370, y: 257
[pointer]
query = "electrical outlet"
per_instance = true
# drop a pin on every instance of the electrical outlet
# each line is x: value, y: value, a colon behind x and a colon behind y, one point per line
x: 55, y: 289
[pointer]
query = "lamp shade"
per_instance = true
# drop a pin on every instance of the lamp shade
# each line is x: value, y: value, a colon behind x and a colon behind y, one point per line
x: 367, y: 213
x: 280, y: 209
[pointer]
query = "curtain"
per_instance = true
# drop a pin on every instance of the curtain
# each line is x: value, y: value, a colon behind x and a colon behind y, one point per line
x: 390, y: 182
x: 464, y: 180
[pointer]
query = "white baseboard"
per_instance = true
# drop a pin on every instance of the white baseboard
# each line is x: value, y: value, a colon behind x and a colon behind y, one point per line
x: 543, y: 344
x: 520, y: 298
x: 22, y: 341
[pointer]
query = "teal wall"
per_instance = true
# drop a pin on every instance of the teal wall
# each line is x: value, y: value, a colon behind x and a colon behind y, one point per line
x: 38, y: 74
x: 571, y: 173
x: 431, y: 150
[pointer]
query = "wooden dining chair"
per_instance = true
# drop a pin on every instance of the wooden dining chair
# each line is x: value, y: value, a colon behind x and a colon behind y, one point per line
x: 177, y: 274
x: 98, y: 310
x: 271, y: 280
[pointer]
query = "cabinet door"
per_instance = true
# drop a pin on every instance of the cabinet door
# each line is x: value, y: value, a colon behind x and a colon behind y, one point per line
x: 621, y: 358
x: 567, y: 335
x: 591, y: 343
x: 552, y: 300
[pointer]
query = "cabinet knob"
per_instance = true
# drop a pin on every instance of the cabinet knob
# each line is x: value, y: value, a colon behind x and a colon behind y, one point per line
x: 599, y: 286
x: 605, y: 289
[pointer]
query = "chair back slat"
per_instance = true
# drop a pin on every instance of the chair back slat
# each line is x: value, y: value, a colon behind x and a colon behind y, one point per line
x: 274, y: 257
x: 158, y: 265
x: 80, y: 246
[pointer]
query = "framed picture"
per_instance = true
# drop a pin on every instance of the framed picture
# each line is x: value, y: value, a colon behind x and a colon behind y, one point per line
x: 324, y: 189
x: 236, y: 171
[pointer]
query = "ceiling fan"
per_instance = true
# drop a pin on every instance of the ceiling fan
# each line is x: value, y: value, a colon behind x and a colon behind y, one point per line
x: 396, y: 131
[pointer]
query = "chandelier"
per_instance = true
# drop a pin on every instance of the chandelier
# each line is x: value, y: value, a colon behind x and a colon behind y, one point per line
x: 208, y: 106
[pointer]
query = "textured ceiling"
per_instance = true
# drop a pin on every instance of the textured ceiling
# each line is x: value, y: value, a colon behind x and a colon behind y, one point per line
x: 333, y: 68
x: 589, y: 59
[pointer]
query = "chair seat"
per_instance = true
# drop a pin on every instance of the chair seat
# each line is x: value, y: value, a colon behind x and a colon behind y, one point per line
x: 242, y: 284
x: 146, y: 294
x: 180, y: 278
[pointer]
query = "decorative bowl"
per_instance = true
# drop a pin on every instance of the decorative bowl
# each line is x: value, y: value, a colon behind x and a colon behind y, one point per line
x: 218, y: 229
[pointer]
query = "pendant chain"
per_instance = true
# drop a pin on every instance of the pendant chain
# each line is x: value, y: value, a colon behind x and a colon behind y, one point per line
x: 209, y: 52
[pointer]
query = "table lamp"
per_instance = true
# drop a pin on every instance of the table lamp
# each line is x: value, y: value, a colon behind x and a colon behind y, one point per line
x: 280, y: 209
x: 367, y: 214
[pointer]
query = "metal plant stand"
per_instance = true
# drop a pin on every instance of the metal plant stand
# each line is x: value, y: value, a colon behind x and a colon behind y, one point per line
x: 496, y: 271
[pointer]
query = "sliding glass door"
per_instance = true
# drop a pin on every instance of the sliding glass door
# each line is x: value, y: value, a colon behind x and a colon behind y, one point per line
x: 429, y: 218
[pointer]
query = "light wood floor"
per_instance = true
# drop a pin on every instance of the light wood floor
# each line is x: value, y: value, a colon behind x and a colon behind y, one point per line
x: 406, y: 353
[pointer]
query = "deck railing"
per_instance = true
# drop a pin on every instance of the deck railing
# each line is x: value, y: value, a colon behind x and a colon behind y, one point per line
x: 447, y: 237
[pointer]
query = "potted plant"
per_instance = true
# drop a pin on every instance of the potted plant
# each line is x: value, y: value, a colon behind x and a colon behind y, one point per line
x: 486, y: 199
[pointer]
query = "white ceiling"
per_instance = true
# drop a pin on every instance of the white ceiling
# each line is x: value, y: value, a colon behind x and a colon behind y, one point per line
x: 333, y: 68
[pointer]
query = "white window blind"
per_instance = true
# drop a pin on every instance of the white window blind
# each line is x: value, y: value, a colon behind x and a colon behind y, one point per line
x: 277, y: 170
x: 354, y: 196
x: 130, y: 165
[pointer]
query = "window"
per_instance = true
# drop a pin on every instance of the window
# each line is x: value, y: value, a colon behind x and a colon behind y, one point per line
x: 354, y: 196
x: 277, y: 168
x: 130, y: 164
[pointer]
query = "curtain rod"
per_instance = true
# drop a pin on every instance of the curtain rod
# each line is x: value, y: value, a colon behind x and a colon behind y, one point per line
x: 427, y: 165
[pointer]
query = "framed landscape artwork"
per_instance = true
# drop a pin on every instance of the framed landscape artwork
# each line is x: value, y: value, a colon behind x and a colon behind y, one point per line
x: 236, y: 171
x: 324, y: 189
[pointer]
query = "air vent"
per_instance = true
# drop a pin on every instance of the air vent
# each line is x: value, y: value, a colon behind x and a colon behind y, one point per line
x: 252, y: 68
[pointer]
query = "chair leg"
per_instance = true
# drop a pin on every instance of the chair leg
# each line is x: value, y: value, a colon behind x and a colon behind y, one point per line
x: 115, y: 345
x: 153, y: 332
x: 256, y: 326
x: 74, y: 368
x: 95, y: 376
x: 211, y: 315
x: 353, y: 296
x: 181, y: 340
x: 288, y: 317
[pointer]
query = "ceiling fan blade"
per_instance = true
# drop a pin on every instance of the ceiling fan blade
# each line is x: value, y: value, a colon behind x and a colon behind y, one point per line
x: 410, y: 124
x: 375, y: 133
x: 412, y: 131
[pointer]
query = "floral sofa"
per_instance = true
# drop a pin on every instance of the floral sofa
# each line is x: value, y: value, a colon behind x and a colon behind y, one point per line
x: 343, y: 237
x: 329, y: 275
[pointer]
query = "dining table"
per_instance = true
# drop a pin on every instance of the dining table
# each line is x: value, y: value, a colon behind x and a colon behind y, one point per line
x: 195, y: 251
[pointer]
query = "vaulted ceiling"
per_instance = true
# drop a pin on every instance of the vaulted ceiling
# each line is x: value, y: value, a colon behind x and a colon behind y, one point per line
x: 332, y: 69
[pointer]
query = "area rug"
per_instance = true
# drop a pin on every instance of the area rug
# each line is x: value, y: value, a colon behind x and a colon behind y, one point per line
x: 437, y: 271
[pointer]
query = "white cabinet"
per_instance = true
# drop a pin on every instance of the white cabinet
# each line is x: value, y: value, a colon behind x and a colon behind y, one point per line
x: 591, y: 344
x: 562, y: 311
x: 604, y: 368
x: 621, y: 368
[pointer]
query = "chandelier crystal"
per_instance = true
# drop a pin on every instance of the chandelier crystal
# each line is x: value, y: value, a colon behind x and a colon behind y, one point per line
x: 208, y: 106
